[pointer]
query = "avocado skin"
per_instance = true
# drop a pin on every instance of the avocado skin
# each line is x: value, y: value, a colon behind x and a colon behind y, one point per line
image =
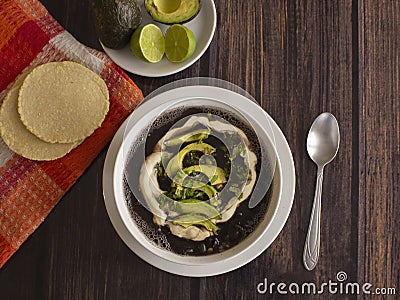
x: 115, y: 21
x: 165, y: 19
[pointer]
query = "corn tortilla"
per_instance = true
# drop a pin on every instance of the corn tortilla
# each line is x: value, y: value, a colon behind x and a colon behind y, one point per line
x: 62, y: 102
x: 18, y: 138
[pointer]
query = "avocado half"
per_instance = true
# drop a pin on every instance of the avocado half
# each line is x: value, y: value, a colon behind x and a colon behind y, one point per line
x: 172, y: 11
x: 115, y: 21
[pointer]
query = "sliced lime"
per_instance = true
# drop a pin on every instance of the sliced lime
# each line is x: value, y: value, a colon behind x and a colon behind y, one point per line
x: 147, y: 43
x: 180, y: 43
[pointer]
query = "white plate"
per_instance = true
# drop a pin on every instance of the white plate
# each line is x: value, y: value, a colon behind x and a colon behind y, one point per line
x: 203, y: 27
x: 219, y: 267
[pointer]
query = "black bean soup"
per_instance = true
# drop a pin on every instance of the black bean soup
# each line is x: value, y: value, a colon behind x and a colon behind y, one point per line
x: 232, y: 232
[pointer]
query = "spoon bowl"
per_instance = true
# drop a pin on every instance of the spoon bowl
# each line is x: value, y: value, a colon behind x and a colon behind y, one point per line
x: 322, y: 146
x: 323, y: 139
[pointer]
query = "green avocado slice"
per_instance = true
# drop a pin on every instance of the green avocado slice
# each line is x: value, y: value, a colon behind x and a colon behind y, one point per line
x: 176, y: 162
x: 194, y: 219
x: 214, y: 174
x: 172, y: 11
x: 210, y: 191
x: 191, y: 201
x: 189, y: 137
x: 193, y: 206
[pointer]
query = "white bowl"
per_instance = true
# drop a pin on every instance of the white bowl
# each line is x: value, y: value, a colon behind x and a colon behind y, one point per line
x: 280, y: 200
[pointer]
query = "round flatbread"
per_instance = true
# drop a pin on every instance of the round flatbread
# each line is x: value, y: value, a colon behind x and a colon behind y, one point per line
x: 63, y: 102
x: 21, y: 140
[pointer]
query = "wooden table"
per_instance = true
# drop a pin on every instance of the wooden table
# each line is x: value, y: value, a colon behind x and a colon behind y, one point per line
x: 298, y: 59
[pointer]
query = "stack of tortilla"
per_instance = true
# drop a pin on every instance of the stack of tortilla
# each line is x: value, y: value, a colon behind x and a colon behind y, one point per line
x: 52, y: 109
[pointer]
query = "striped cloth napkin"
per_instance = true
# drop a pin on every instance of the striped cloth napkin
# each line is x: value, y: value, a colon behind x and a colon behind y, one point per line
x: 30, y: 36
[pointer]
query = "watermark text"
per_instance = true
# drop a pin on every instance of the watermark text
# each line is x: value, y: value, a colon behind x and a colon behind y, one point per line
x: 338, y: 286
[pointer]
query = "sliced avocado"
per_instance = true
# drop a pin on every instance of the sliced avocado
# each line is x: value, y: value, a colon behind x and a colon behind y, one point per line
x: 189, y: 137
x: 176, y: 162
x: 214, y: 174
x: 172, y: 11
x: 115, y: 21
x: 191, y: 201
x: 210, y: 191
x: 194, y: 219
x: 195, y: 207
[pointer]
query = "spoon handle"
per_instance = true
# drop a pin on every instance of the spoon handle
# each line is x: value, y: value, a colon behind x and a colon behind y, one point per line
x: 311, y: 247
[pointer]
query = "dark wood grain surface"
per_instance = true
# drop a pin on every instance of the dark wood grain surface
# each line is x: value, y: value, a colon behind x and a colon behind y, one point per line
x: 298, y: 59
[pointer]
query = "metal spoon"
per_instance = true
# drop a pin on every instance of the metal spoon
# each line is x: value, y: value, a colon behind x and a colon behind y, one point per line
x: 322, y: 146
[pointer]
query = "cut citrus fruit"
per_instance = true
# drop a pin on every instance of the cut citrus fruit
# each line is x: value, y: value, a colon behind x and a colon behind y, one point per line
x: 180, y: 43
x: 147, y: 43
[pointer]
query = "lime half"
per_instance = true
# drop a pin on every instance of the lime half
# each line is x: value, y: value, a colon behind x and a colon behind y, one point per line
x: 180, y: 43
x: 147, y: 43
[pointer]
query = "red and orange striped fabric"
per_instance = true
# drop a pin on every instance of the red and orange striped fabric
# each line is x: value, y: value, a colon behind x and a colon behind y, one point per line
x: 29, y: 36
